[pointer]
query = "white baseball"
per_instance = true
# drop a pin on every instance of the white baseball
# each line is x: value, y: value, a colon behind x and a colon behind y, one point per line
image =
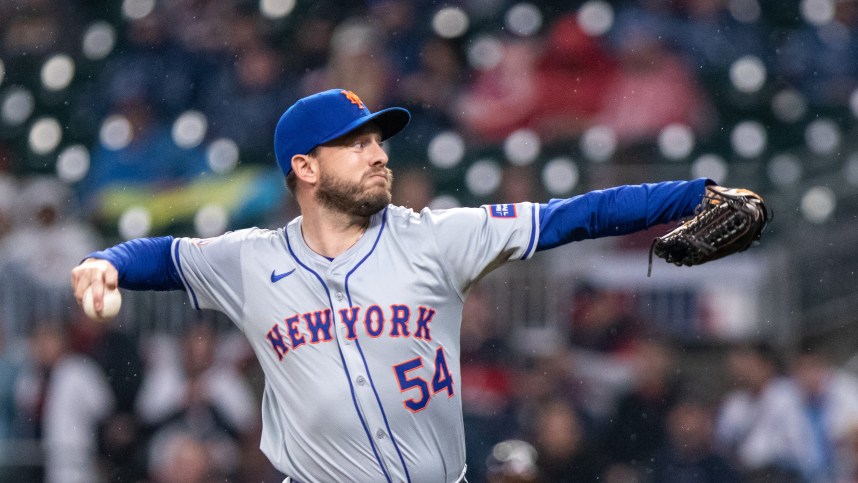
x: 112, y: 303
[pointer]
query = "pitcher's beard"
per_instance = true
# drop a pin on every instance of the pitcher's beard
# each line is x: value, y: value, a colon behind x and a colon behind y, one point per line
x: 353, y: 199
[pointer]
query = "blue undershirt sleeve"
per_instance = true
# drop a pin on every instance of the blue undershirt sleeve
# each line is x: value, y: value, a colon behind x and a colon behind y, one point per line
x: 617, y: 211
x: 143, y: 264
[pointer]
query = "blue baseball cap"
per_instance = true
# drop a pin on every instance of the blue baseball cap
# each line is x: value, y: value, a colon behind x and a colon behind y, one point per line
x: 325, y: 116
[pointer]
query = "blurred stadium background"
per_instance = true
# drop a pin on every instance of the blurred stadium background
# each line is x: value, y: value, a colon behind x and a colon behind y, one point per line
x: 129, y: 118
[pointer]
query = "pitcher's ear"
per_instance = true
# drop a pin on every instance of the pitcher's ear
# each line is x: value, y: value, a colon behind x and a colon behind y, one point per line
x: 306, y: 168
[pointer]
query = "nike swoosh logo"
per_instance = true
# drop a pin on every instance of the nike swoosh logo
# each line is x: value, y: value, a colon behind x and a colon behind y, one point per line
x: 275, y: 277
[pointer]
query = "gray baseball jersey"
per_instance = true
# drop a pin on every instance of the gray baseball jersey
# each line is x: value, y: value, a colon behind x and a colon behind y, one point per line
x: 360, y: 353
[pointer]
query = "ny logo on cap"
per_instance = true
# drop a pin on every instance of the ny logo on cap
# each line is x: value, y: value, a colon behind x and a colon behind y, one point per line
x: 353, y: 98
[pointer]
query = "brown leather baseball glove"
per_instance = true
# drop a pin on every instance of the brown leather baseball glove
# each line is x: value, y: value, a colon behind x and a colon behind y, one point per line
x: 728, y: 220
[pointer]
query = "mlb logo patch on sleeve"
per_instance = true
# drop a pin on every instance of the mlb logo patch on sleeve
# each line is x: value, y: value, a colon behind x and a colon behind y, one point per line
x: 503, y: 211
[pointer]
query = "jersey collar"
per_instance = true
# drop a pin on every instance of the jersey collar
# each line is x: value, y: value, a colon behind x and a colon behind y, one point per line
x: 346, y: 260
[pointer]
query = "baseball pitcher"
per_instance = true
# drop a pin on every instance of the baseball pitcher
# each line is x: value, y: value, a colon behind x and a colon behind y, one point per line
x: 354, y: 308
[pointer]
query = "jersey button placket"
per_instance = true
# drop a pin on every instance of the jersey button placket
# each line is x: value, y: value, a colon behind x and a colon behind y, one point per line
x: 365, y: 396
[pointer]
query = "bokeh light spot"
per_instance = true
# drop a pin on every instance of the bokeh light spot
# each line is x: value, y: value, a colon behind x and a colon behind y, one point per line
x: 822, y: 136
x: 748, y: 74
x: 135, y: 222
x: 596, y: 17
x: 189, y: 129
x: 818, y: 12
x: 710, y: 166
x: 444, y: 202
x: 560, y: 176
x: 599, y: 143
x: 450, y: 22
x: 818, y: 204
x: 524, y: 19
x: 137, y: 9
x: 676, y: 141
x: 275, y: 9
x: 98, y: 40
x: 211, y: 220
x: 45, y: 135
x: 522, y: 147
x: 483, y: 177
x: 790, y: 106
x: 446, y: 150
x: 485, y: 53
x: 57, y: 72
x: 222, y: 155
x: 784, y: 170
x: 18, y: 105
x: 745, y: 11
x: 749, y: 139
x: 115, y: 132
x: 73, y: 163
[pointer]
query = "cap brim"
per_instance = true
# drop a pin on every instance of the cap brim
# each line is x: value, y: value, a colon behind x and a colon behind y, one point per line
x: 390, y: 121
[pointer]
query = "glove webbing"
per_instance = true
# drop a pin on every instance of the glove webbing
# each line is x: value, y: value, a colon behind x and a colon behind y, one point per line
x: 716, y: 221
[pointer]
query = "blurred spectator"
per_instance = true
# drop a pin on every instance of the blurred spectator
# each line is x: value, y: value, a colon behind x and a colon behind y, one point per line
x: 412, y: 188
x: 638, y: 428
x: 819, y: 59
x: 622, y: 473
x: 65, y: 397
x: 151, y: 159
x: 566, y: 453
x: 246, y: 97
x: 430, y: 90
x: 8, y: 157
x: 8, y: 376
x: 179, y: 457
x: 200, y: 27
x: 358, y: 61
x: 312, y: 39
x: 15, y: 465
x: 151, y: 67
x: 710, y: 38
x: 689, y: 455
x: 572, y: 73
x: 143, y: 165
x: 487, y: 381
x: 603, y: 329
x: 433, y: 84
x: 248, y: 85
x: 8, y: 195
x: 830, y: 397
x: 652, y: 89
x: 194, y: 394
x: 47, y: 241
x: 120, y: 440
x: 401, y: 30
x: 30, y: 29
x: 518, y: 184
x: 603, y: 320
x: 850, y: 452
x: 762, y: 423
x: 502, y: 98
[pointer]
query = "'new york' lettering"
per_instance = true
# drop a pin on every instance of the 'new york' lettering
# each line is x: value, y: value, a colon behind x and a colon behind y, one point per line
x: 316, y: 327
